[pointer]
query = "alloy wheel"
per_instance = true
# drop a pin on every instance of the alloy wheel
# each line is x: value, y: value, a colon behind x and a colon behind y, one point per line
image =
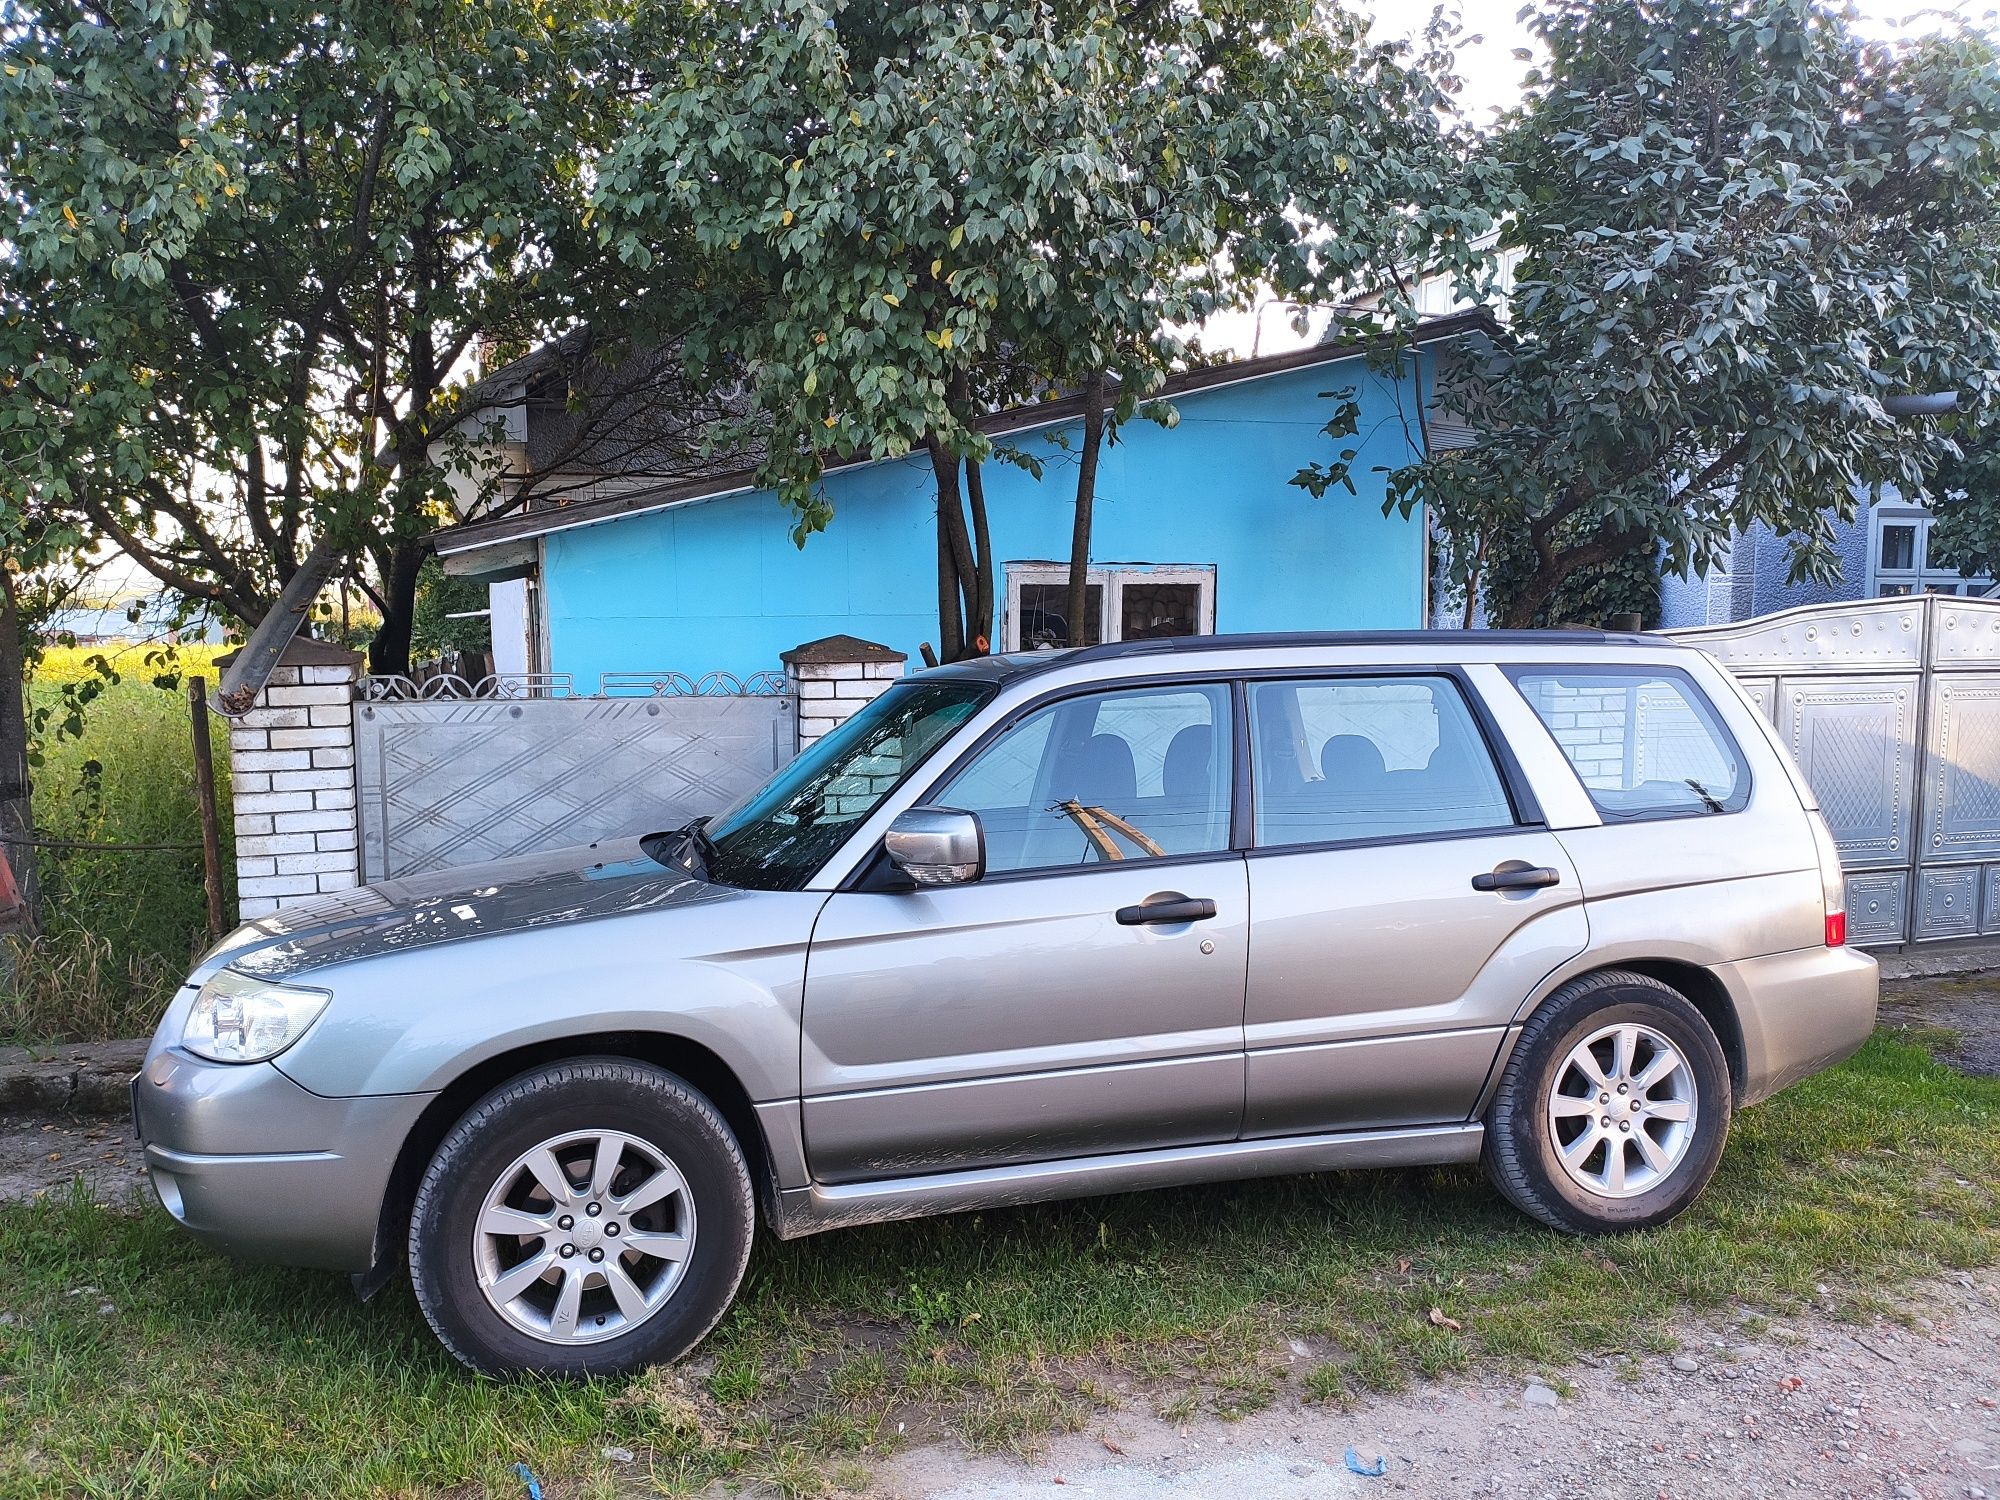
x: 1622, y: 1110
x: 584, y: 1237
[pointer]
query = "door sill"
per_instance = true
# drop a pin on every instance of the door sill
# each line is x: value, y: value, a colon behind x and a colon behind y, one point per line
x: 809, y: 1210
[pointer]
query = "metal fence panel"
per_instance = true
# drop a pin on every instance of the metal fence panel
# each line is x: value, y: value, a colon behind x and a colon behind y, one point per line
x: 1892, y: 709
x: 451, y: 781
x: 1856, y: 740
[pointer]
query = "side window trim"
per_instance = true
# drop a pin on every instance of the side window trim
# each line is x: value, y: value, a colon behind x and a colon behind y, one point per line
x: 1695, y: 697
x: 873, y: 871
x: 1525, y: 810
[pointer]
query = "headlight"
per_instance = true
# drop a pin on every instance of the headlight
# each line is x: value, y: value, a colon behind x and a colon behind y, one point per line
x: 237, y: 1019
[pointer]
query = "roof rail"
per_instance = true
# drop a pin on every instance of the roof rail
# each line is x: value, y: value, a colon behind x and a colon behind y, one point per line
x: 1265, y: 640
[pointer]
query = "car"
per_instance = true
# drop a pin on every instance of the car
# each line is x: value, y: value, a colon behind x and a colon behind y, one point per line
x: 1029, y: 927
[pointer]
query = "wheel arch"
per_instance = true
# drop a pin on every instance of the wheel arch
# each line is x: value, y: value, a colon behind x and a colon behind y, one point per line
x: 687, y: 1060
x: 1702, y: 987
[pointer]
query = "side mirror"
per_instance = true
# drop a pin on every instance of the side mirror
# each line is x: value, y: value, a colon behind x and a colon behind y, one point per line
x: 937, y: 845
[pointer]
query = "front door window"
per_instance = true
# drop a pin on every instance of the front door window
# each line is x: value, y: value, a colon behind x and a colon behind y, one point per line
x: 1130, y: 775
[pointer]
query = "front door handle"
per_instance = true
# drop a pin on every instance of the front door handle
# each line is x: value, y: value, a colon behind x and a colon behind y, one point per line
x: 1516, y: 875
x: 1167, y: 909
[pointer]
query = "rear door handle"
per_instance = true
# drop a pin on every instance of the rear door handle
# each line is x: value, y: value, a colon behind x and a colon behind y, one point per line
x: 1516, y: 876
x: 1170, y: 909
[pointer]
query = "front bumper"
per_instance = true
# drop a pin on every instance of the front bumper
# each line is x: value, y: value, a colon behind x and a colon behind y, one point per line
x: 1800, y: 1013
x: 261, y: 1168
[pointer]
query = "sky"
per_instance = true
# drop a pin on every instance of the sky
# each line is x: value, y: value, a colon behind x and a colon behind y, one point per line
x: 1492, y: 73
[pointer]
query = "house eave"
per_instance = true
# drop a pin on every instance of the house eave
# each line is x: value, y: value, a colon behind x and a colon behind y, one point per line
x: 457, y: 542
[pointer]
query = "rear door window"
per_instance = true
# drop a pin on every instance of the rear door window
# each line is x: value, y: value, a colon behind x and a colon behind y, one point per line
x: 1344, y: 758
x: 1643, y: 741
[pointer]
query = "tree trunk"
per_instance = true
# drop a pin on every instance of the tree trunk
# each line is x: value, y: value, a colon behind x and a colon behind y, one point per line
x: 17, y: 817
x: 955, y: 561
x: 981, y: 603
x: 389, y: 652
x: 1086, y: 500
x: 951, y: 610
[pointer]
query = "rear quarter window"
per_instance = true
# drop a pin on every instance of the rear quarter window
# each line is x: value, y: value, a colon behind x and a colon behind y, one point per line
x: 1644, y: 741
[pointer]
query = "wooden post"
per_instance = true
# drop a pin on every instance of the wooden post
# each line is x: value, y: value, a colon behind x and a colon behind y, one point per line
x: 204, y: 792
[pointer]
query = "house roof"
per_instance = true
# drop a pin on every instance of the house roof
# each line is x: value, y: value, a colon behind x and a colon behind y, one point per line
x: 586, y: 510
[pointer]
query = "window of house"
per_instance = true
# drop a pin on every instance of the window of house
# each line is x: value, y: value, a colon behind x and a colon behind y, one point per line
x: 1900, y: 561
x: 1139, y: 603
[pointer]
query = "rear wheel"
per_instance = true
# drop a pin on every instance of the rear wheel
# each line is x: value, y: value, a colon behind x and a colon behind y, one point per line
x: 1614, y: 1108
x: 587, y: 1218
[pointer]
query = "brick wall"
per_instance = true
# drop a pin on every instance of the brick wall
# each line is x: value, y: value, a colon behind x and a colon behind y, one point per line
x: 1591, y: 726
x: 291, y: 759
x: 833, y: 678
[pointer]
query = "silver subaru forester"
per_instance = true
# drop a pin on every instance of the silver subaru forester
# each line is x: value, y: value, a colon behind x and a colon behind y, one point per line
x: 1032, y: 927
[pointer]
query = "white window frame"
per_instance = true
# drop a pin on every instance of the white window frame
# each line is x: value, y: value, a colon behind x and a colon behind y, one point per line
x: 1112, y: 578
x: 1923, y: 578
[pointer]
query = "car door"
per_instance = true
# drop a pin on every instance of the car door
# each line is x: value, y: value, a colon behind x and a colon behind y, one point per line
x: 1406, y: 902
x: 1084, y: 996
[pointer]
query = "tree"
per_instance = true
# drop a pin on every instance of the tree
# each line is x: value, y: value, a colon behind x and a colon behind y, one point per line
x: 1745, y: 226
x: 1965, y: 499
x: 919, y: 214
x: 250, y: 249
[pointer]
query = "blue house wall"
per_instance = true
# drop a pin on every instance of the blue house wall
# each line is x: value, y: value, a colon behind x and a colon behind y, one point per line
x: 718, y: 584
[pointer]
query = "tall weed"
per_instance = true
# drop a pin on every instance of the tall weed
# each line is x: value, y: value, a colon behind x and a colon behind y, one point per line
x: 118, y: 925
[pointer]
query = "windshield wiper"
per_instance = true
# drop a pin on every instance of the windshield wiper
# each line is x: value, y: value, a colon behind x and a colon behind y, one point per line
x: 691, y: 848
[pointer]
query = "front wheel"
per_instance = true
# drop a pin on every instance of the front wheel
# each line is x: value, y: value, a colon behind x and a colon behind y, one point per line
x: 586, y: 1218
x: 1613, y: 1110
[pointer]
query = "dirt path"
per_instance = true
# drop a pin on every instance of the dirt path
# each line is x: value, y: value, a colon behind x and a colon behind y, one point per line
x: 1809, y: 1407
x: 43, y: 1154
x: 1968, y: 1006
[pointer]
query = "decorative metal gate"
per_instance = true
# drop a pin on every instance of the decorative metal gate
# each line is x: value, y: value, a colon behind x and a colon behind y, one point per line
x: 1892, y: 709
x: 451, y: 773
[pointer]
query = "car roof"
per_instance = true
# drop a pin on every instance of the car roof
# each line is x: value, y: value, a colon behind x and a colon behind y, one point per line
x: 1447, y: 645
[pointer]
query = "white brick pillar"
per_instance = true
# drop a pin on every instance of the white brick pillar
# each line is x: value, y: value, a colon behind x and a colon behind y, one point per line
x: 833, y: 676
x: 291, y: 766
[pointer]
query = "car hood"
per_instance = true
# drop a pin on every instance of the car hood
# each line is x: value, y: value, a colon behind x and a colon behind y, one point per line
x: 607, y: 879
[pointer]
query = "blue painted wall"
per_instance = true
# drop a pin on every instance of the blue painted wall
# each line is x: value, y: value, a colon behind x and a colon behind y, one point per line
x: 719, y: 585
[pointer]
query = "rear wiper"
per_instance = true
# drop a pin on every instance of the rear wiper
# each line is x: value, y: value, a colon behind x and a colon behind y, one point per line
x: 1707, y: 798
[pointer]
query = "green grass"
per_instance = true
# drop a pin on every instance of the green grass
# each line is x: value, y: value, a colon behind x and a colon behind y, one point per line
x: 213, y: 1378
x: 118, y: 928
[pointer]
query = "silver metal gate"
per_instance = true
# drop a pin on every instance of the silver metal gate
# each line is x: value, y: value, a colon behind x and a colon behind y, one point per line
x: 1892, y: 709
x: 450, y: 773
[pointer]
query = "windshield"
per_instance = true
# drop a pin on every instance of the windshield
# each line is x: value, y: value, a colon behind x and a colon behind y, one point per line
x: 775, y: 838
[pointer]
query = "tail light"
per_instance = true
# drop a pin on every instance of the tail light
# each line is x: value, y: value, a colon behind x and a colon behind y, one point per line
x: 1833, y: 884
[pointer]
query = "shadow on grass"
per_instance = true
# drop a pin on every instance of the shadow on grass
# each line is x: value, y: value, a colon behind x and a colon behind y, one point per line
x: 995, y: 1326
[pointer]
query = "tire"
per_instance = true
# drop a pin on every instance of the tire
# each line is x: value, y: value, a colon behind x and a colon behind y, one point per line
x: 654, y: 1192
x: 1564, y: 1084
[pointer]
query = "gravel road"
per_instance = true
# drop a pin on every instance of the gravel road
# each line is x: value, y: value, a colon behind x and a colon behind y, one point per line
x: 1811, y: 1406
